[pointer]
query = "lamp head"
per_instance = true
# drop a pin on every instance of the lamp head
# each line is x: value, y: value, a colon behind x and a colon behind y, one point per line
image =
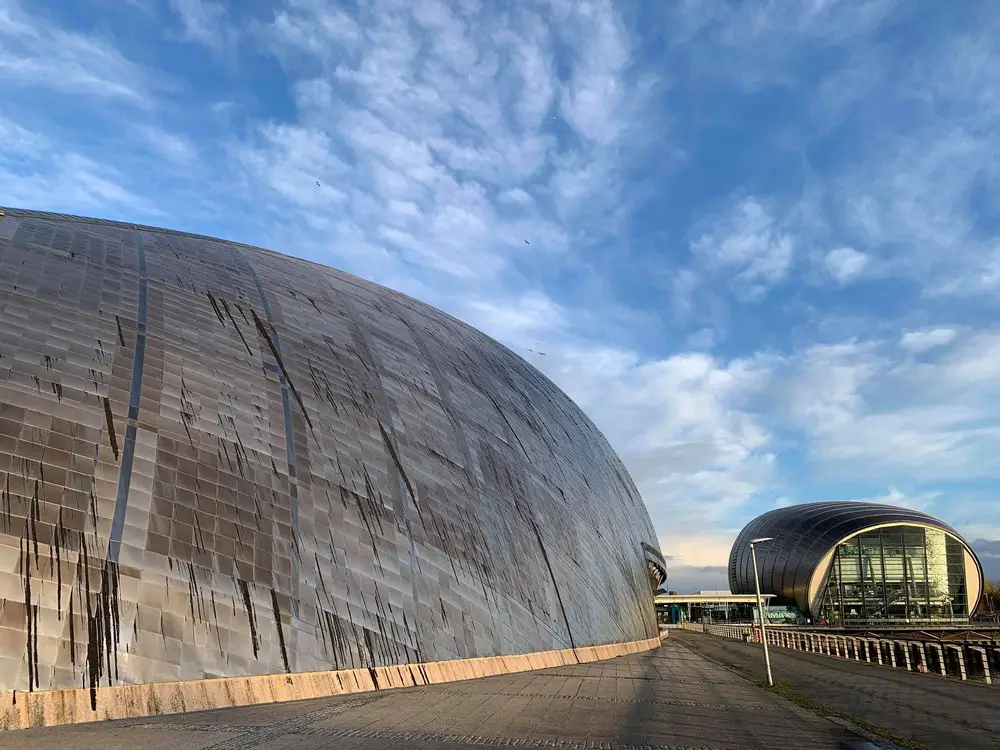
x: 761, y: 540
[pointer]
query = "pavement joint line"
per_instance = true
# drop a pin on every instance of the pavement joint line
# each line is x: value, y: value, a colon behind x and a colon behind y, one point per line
x: 318, y: 714
x: 606, y: 677
x: 470, y: 739
x: 257, y: 735
x: 830, y: 714
x: 642, y: 701
x: 672, y: 680
x: 224, y: 728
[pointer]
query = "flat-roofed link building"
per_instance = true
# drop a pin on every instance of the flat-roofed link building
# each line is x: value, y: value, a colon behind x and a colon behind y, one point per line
x: 840, y: 562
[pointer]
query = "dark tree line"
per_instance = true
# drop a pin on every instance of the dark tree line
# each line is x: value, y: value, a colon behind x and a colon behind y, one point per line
x: 990, y: 603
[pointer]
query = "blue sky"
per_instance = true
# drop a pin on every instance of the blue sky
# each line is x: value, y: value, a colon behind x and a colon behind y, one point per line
x: 756, y: 241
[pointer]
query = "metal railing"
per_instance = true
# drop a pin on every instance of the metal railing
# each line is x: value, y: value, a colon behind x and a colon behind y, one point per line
x: 987, y: 622
x: 902, y: 624
x: 964, y: 661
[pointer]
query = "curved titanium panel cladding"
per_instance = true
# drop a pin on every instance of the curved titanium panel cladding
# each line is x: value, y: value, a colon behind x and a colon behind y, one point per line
x: 803, y: 534
x: 220, y: 461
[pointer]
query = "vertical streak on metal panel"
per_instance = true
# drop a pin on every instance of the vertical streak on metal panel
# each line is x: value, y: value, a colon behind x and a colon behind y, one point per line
x: 513, y: 439
x: 286, y: 406
x: 128, y: 452
x: 404, y: 487
x: 447, y: 403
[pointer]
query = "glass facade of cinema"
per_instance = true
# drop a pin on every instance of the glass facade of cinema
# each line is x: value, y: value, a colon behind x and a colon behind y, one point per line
x: 899, y: 573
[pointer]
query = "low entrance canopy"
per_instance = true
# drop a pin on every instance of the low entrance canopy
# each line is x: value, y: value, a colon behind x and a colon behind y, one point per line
x: 711, y: 606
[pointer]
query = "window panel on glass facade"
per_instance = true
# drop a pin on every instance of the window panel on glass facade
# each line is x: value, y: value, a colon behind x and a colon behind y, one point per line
x: 916, y: 565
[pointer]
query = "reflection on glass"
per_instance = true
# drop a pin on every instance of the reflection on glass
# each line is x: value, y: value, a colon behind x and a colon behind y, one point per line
x: 937, y: 571
x: 899, y: 573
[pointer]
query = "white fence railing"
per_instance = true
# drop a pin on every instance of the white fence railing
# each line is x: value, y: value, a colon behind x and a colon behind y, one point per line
x: 977, y: 661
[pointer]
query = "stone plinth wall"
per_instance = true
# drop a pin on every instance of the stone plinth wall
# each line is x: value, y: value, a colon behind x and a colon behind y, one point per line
x: 54, y: 707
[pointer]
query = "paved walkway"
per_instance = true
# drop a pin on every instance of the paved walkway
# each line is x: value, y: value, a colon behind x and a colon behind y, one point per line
x: 669, y: 698
x: 932, y: 710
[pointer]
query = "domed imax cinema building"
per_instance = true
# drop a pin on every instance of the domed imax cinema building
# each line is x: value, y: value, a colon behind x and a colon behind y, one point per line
x: 221, y: 462
x: 840, y: 563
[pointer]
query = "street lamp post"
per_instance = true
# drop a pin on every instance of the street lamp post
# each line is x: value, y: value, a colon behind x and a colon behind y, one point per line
x: 760, y: 606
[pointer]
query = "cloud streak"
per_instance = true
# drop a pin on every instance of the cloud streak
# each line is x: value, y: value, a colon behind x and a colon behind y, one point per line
x: 750, y: 244
x: 37, y: 53
x: 845, y: 263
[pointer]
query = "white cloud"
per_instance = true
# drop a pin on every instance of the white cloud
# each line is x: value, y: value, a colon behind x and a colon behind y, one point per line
x: 450, y: 148
x: 757, y: 44
x: 916, y: 191
x: 912, y: 203
x: 18, y: 140
x: 320, y: 31
x: 76, y: 184
x: 144, y: 6
x: 845, y: 264
x: 291, y: 160
x: 982, y: 530
x: 700, y: 435
x: 172, y: 147
x: 520, y: 323
x: 755, y: 25
x: 679, y: 424
x: 916, y: 196
x: 697, y: 550
x: 36, y: 53
x: 751, y: 244
x: 204, y: 21
x: 825, y: 392
x: 593, y: 96
x: 921, y: 341
x: 865, y: 411
x: 535, y: 64
x: 922, y: 501
x: 698, y: 559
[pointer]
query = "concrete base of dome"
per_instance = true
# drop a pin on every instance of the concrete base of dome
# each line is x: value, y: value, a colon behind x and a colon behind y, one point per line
x: 20, y: 710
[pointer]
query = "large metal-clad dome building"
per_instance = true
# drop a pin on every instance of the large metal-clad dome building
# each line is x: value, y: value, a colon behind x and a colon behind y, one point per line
x: 216, y: 460
x: 844, y: 561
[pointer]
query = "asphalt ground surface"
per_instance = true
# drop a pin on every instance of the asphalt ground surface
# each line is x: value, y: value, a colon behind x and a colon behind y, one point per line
x: 927, y: 709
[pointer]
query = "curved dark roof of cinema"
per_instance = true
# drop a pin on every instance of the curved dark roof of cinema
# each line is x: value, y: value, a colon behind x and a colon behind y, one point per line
x: 802, y: 535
